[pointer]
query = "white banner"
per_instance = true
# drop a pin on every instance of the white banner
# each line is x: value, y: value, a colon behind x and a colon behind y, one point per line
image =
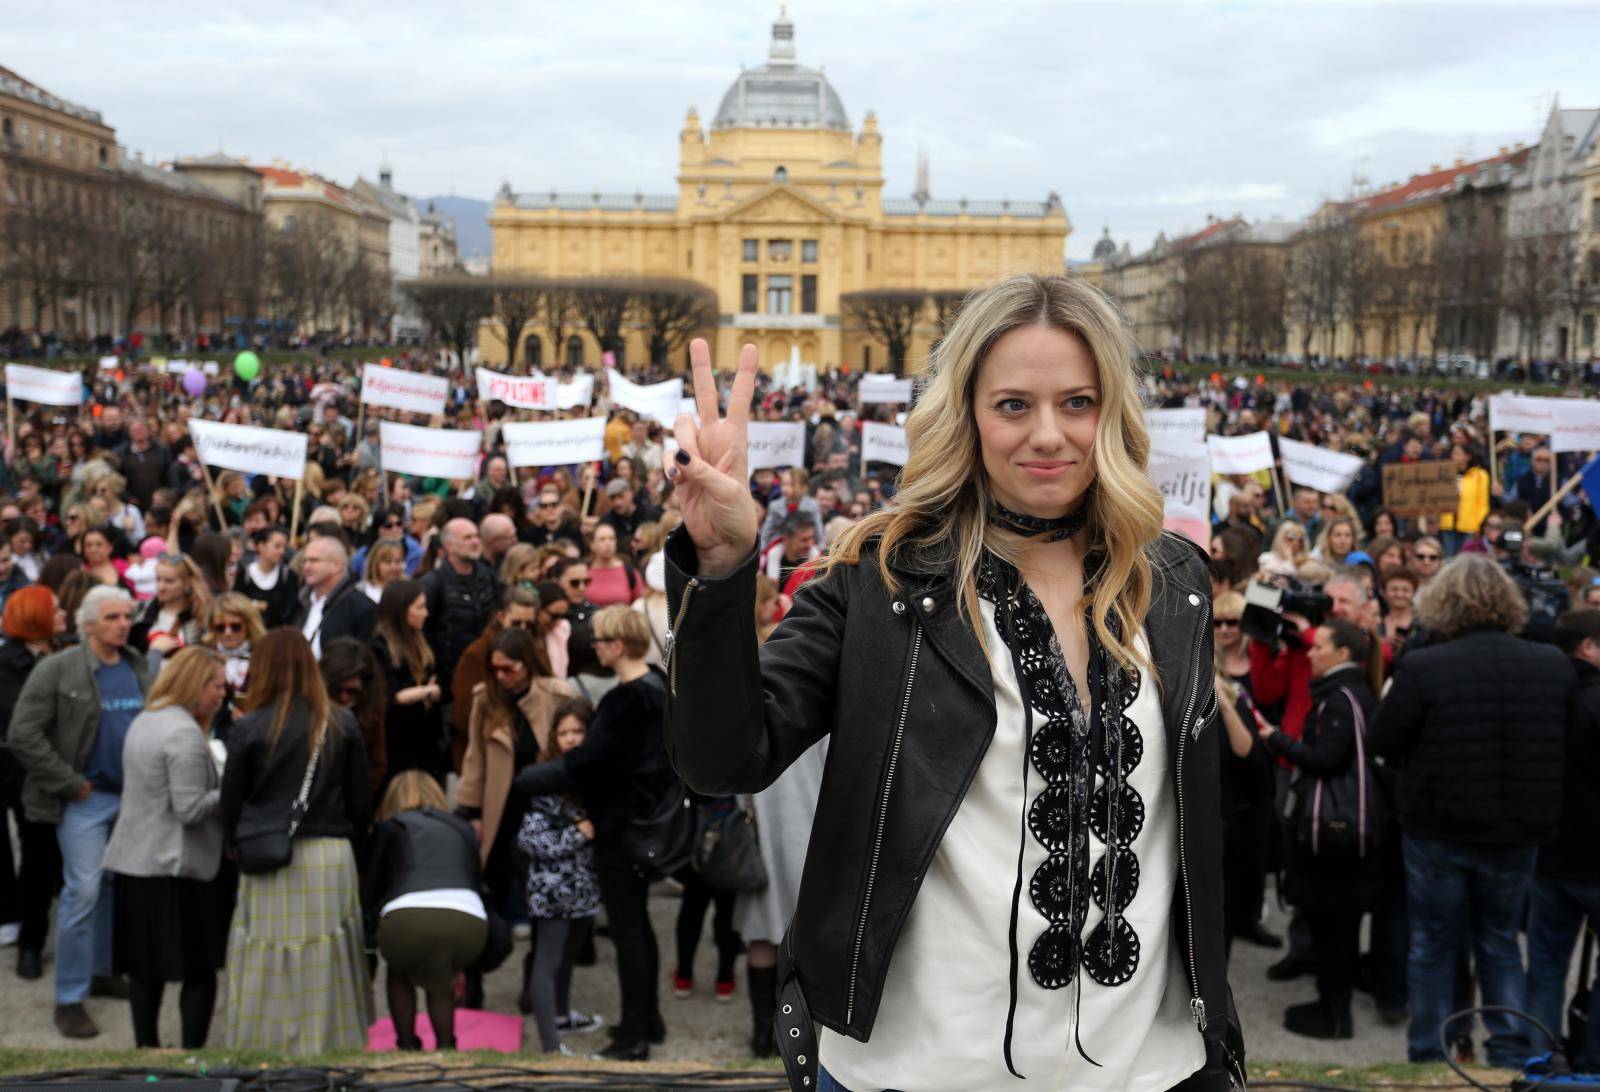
x: 882, y: 443
x: 1176, y: 431
x: 431, y: 452
x: 777, y: 443
x: 1240, y: 454
x: 108, y: 363
x: 1323, y: 470
x: 177, y: 367
x: 1523, y: 413
x: 1185, y: 485
x: 535, y: 392
x: 1577, y: 425
x: 49, y: 388
x: 879, y: 387
x: 272, y: 451
x: 579, y: 392
x: 554, y: 443
x: 658, y: 401
x: 403, y: 390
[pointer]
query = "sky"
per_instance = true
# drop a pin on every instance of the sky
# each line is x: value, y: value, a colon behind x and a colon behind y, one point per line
x: 1145, y: 118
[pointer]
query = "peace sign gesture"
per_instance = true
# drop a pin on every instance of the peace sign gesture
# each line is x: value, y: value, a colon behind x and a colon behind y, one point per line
x: 711, y: 471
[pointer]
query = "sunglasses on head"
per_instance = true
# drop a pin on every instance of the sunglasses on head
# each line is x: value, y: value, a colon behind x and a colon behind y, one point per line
x: 227, y: 627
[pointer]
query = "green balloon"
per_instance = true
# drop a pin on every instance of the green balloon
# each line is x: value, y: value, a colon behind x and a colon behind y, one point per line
x: 247, y: 365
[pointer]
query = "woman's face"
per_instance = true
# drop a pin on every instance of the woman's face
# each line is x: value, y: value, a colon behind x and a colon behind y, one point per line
x: 211, y: 697
x: 605, y: 542
x: 390, y: 569
x: 607, y: 650
x: 1383, y: 525
x: 625, y: 469
x: 58, y: 624
x: 1426, y: 557
x: 350, y: 512
x: 1458, y: 456
x: 400, y: 490
x: 1324, y: 657
x: 529, y: 573
x: 96, y: 550
x: 1341, y: 539
x: 569, y: 733
x: 236, y: 487
x: 169, y: 584
x: 21, y: 543
x: 1228, y: 632
x: 1037, y: 404
x: 417, y: 612
x: 1398, y: 593
x: 229, y: 630
x: 347, y: 692
x: 508, y: 672
x: 1294, y: 542
x: 1493, y: 527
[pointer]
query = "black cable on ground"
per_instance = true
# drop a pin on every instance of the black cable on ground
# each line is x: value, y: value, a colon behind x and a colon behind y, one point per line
x: 1449, y: 1054
x: 426, y: 1075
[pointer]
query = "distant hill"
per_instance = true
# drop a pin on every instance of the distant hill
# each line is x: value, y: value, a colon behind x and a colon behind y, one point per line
x: 471, y: 220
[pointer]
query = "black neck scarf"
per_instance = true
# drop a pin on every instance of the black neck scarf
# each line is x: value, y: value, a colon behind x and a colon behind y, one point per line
x: 1032, y: 526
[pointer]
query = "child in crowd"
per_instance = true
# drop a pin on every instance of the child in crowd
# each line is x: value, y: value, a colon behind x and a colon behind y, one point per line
x: 142, y: 573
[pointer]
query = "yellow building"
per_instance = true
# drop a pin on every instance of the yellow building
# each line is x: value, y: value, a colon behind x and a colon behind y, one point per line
x: 780, y: 210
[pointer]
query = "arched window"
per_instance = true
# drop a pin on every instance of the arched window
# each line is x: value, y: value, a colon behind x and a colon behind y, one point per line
x: 621, y: 355
x: 575, y: 351
x: 534, y: 350
x: 781, y: 175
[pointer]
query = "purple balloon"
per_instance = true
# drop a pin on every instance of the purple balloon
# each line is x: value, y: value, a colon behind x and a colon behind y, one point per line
x: 194, y: 381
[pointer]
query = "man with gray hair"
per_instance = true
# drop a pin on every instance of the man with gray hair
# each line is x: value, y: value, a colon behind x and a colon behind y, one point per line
x: 67, y: 732
x: 463, y: 595
x: 332, y: 604
x: 499, y: 534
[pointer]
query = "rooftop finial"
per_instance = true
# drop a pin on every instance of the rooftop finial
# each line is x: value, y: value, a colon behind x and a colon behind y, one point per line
x: 782, y: 51
x: 923, y: 191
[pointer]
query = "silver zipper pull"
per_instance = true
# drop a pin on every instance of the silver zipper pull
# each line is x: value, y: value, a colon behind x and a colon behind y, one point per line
x: 1197, y: 1009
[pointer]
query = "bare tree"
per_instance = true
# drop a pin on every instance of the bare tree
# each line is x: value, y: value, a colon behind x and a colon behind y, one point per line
x: 516, y: 303
x: 888, y: 315
x: 452, y: 306
x: 672, y: 310
x: 559, y: 312
x: 603, y: 303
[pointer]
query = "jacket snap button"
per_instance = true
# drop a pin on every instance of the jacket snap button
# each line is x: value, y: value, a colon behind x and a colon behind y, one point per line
x: 794, y: 1033
x: 1194, y: 600
x: 927, y: 604
x: 787, y: 1009
x: 899, y: 607
x: 801, y: 1059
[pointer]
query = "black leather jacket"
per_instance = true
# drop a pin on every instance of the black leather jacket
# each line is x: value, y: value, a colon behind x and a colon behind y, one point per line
x: 910, y: 679
x: 419, y: 850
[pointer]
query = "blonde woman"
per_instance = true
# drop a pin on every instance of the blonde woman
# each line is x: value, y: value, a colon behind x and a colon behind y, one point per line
x: 1289, y: 542
x: 1340, y: 537
x: 111, y: 489
x: 961, y: 631
x: 232, y: 627
x: 385, y: 563
x: 520, y: 565
x: 174, y: 619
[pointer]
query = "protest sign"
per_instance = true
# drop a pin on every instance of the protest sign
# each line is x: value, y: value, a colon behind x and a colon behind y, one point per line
x: 523, y: 391
x: 1178, y: 431
x: 1185, y: 484
x: 278, y: 453
x: 882, y: 443
x: 1323, y: 470
x: 1240, y: 454
x: 108, y: 363
x: 657, y: 401
x: 431, y: 452
x: 884, y: 388
x: 554, y: 443
x: 403, y: 390
x: 1522, y: 413
x: 1577, y: 425
x: 1420, y: 489
x: 42, y: 385
x: 579, y: 392
x: 777, y: 443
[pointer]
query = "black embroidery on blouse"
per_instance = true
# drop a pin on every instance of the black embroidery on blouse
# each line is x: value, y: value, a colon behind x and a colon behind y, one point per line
x: 1067, y: 751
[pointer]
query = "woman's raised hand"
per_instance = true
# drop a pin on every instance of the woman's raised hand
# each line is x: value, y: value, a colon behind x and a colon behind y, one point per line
x: 711, y: 471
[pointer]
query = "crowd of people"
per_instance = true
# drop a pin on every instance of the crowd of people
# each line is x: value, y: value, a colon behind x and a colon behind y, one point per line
x: 436, y: 708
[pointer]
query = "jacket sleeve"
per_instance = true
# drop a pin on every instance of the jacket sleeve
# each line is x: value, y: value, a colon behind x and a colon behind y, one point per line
x: 545, y: 778
x: 738, y: 713
x: 189, y: 778
x: 357, y: 787
x: 469, y: 790
x: 1330, y: 752
x: 238, y: 777
x: 30, y: 721
x: 1398, y: 720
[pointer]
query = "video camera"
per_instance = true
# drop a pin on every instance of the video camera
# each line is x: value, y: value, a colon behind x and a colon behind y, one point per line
x: 1266, y: 604
x: 1542, y: 588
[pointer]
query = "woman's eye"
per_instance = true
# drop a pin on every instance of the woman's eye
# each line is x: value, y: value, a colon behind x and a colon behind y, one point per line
x: 1080, y: 402
x: 1011, y: 405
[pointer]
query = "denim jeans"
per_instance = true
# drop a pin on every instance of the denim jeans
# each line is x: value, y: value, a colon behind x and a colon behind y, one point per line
x: 826, y: 1083
x: 1477, y: 892
x: 1559, y: 907
x: 83, y: 919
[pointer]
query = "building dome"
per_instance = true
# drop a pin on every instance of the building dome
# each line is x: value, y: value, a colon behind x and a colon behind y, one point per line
x: 1105, y: 248
x: 781, y: 94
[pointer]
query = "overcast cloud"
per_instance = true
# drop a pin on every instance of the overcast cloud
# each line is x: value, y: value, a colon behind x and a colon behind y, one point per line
x: 1144, y: 117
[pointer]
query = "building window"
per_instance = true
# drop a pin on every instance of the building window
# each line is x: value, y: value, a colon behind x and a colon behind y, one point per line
x: 288, y: 223
x: 533, y: 350
x: 749, y: 293
x: 752, y: 250
x: 780, y: 295
x: 58, y: 145
x: 808, y: 294
x: 24, y: 135
x: 780, y: 250
x: 574, y: 351
x: 781, y: 175
x: 102, y: 155
x: 5, y: 128
x: 1588, y: 331
x: 866, y: 358
x: 808, y: 250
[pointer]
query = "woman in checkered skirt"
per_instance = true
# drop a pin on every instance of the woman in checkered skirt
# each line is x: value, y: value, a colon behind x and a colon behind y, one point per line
x: 297, y: 975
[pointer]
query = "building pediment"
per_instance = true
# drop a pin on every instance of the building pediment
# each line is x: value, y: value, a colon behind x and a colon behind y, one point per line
x: 779, y: 205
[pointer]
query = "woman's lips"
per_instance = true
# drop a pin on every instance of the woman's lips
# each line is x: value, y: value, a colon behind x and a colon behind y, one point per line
x: 1047, y: 469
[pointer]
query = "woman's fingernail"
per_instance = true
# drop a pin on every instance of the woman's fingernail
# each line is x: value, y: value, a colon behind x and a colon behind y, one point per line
x: 682, y: 456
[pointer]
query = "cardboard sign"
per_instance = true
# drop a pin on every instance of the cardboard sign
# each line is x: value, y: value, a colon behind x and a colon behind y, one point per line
x: 1185, y: 484
x: 250, y: 450
x: 882, y: 443
x: 554, y: 443
x: 777, y: 443
x: 403, y: 390
x: 1178, y: 431
x: 1420, y: 489
x: 1323, y: 470
x: 1240, y: 454
x: 430, y: 452
x: 879, y: 387
x: 42, y: 385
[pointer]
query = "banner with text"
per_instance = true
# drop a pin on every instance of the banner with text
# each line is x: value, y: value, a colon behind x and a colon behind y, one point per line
x: 879, y: 387
x: 430, y: 452
x: 1323, y: 470
x: 777, y: 443
x: 657, y: 401
x: 554, y: 443
x: 1176, y: 431
x: 1185, y: 484
x: 1577, y: 425
x: 883, y: 444
x: 250, y: 450
x: 42, y: 385
x: 1240, y: 454
x: 1522, y: 413
x: 403, y: 390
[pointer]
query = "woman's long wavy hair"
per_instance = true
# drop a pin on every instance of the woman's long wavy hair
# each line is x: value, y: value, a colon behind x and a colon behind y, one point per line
x: 943, y: 493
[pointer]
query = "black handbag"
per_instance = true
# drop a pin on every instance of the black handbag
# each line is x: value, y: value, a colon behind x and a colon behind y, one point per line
x: 1342, y: 816
x: 661, y: 841
x: 269, y: 850
x: 726, y: 852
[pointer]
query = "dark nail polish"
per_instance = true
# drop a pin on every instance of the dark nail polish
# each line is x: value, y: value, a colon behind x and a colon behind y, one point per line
x: 682, y: 456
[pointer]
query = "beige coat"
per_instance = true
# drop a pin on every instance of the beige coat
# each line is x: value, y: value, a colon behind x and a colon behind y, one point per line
x: 489, y: 764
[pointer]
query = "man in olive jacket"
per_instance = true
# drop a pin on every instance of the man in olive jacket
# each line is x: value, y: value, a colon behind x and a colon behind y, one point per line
x: 67, y: 732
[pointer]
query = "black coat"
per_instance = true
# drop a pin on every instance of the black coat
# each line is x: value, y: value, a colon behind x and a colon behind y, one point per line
x: 419, y: 850
x: 459, y: 610
x: 259, y: 785
x: 1477, y: 726
x: 348, y: 613
x: 414, y: 737
x: 1575, y: 853
x: 283, y: 601
x: 16, y: 660
x: 902, y: 688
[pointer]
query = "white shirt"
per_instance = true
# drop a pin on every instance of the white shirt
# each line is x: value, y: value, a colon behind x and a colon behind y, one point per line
x: 941, y: 1021
x: 262, y: 579
x: 313, y: 626
x: 439, y: 898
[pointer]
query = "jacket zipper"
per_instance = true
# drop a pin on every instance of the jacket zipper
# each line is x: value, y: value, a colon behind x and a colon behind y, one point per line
x: 1197, y: 1005
x: 883, y: 812
x: 667, y: 657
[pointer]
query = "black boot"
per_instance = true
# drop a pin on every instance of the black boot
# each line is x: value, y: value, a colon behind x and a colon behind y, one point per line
x: 763, y: 982
x: 1324, y: 1018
